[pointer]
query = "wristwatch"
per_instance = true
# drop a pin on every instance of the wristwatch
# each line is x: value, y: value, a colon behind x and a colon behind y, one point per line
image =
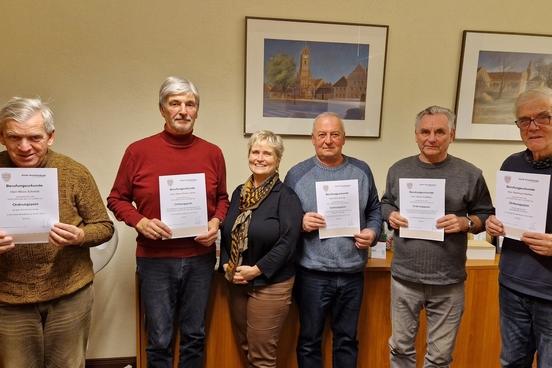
x: 470, y: 225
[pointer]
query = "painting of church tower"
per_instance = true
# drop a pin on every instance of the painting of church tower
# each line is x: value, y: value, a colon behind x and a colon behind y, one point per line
x: 304, y: 81
x: 305, y: 78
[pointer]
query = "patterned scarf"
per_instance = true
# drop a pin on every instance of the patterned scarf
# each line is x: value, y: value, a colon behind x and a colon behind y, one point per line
x: 545, y: 163
x: 250, y: 199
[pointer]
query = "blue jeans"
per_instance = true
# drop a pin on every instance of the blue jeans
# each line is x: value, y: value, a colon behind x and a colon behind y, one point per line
x: 175, y: 288
x: 321, y: 293
x: 525, y: 327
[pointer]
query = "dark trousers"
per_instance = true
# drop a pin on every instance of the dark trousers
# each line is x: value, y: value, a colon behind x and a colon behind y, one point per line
x: 319, y: 294
x: 175, y: 289
x: 525, y: 327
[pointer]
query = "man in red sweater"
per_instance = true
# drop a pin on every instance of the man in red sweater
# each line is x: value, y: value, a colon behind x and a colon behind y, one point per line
x: 175, y: 274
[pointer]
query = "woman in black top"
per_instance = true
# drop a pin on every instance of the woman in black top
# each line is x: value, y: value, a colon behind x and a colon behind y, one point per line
x: 258, y: 241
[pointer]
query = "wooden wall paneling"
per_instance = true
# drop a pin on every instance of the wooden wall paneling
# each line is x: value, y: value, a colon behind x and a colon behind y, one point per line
x: 477, y: 346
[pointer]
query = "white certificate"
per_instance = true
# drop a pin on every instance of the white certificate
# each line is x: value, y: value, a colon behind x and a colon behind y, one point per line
x: 422, y: 202
x: 183, y: 203
x: 29, y: 203
x: 337, y: 201
x: 521, y: 202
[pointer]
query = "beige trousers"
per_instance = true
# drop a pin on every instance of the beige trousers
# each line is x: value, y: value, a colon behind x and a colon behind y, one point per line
x: 258, y: 315
x: 47, y: 334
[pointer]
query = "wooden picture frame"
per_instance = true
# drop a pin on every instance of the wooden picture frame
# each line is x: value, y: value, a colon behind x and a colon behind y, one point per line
x: 495, y: 68
x: 297, y: 69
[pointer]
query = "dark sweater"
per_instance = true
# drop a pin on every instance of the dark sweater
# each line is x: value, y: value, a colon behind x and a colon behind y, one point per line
x: 137, y: 184
x: 521, y: 269
x: 274, y: 231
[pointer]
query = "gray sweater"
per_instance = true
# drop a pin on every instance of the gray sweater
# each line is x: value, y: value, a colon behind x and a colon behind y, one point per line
x: 335, y: 254
x: 428, y: 261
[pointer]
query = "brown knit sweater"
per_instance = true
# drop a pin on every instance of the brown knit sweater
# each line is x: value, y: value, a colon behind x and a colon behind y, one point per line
x: 33, y: 273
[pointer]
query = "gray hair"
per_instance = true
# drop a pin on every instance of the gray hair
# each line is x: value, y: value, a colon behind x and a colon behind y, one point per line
x: 436, y: 110
x: 328, y: 114
x: 531, y: 95
x: 22, y: 109
x: 273, y: 140
x: 176, y: 86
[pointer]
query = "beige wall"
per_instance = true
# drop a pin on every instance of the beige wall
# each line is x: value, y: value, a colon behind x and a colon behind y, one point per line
x: 100, y: 64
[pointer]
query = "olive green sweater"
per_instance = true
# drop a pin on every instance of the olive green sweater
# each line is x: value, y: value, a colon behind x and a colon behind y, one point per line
x: 32, y: 273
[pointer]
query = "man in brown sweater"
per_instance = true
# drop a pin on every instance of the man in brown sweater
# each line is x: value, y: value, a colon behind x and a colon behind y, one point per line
x: 46, y: 289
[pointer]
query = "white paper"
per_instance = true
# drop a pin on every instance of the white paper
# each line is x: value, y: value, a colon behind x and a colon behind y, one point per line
x: 183, y: 203
x: 521, y: 202
x: 378, y: 251
x: 422, y: 202
x: 337, y: 201
x: 29, y: 203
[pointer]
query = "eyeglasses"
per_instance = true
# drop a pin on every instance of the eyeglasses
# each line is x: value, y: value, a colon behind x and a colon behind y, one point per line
x: 540, y: 120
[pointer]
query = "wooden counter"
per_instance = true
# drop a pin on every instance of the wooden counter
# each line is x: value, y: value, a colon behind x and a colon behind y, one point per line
x: 477, y: 346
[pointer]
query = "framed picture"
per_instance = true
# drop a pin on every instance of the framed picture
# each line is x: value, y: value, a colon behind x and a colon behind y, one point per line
x: 494, y: 69
x: 297, y: 69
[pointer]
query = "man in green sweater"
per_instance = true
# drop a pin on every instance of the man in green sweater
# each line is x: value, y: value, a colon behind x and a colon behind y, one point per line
x: 426, y: 273
x: 46, y: 289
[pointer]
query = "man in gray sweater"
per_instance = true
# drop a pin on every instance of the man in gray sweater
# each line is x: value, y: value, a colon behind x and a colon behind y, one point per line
x: 330, y: 276
x: 430, y: 274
